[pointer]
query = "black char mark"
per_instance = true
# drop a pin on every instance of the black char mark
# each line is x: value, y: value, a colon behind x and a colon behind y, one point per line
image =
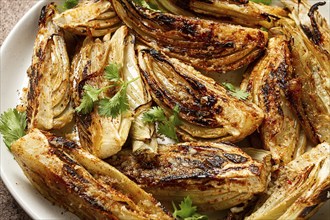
x: 316, y: 35
x: 203, y: 113
x: 235, y: 158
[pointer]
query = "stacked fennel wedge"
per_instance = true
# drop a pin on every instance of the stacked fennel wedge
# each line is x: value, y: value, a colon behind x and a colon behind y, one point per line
x: 125, y: 111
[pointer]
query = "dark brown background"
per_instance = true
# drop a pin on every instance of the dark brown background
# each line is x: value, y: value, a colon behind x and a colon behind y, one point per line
x: 10, y: 13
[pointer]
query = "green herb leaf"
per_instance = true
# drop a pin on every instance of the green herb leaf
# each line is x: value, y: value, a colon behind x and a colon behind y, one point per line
x: 264, y: 29
x: 240, y: 94
x: 266, y: 2
x: 12, y: 126
x: 69, y: 4
x: 174, y: 119
x: 187, y: 211
x: 166, y: 126
x: 112, y: 72
x: 117, y: 104
x: 90, y: 96
x: 154, y: 114
x: 148, y: 4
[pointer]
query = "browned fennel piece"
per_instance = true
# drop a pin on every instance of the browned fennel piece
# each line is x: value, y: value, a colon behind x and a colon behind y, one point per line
x: 49, y: 105
x: 69, y: 176
x: 103, y: 136
x: 142, y: 136
x: 205, y: 44
x: 207, y: 110
x: 301, y: 189
x: 312, y: 24
x: 244, y: 12
x: 309, y: 87
x: 94, y: 18
x: 216, y: 176
x: 266, y: 82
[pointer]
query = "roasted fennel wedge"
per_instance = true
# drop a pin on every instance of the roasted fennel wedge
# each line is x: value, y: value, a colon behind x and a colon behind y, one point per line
x: 243, y: 12
x: 216, y: 176
x: 93, y: 18
x: 308, y: 86
x: 207, y: 110
x: 102, y: 135
x: 142, y: 136
x: 205, y: 44
x: 301, y: 188
x: 71, y: 177
x: 312, y: 24
x: 280, y: 131
x: 49, y: 90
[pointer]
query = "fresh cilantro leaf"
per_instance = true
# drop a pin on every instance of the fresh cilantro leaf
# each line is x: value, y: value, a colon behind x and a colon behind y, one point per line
x: 229, y: 86
x: 266, y: 2
x: 117, y: 104
x: 12, y: 126
x: 90, y: 96
x: 92, y: 92
x: 68, y: 4
x: 112, y: 72
x: 166, y: 126
x: 86, y: 105
x: 264, y: 29
x: 148, y: 4
x: 174, y: 119
x: 240, y: 94
x: 154, y: 114
x: 187, y: 211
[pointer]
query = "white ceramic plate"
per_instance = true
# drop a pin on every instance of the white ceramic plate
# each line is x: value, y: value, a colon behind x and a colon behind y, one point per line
x: 15, y: 58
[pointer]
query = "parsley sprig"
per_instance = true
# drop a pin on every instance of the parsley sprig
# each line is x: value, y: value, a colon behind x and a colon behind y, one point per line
x: 109, y: 107
x: 12, y: 126
x: 240, y: 94
x: 187, y: 211
x: 166, y: 126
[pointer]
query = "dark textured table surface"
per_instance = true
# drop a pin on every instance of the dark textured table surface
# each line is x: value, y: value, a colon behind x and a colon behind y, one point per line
x: 10, y: 13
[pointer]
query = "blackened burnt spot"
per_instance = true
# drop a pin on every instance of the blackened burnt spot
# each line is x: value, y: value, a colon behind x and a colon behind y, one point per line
x: 165, y: 19
x: 69, y: 171
x: 207, y: 1
x: 215, y: 161
x: 39, y: 53
x: 307, y: 31
x: 85, y: 72
x: 316, y: 33
x: 188, y: 28
x: 254, y: 169
x: 305, y: 212
x: 235, y: 158
x: 265, y: 91
x: 42, y: 16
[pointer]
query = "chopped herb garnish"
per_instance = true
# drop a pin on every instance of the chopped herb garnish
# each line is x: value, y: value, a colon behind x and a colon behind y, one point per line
x: 266, y: 2
x: 240, y: 94
x: 187, y: 211
x: 166, y: 126
x: 117, y: 104
x: 12, y: 126
x: 110, y: 107
x: 148, y: 4
x: 70, y: 4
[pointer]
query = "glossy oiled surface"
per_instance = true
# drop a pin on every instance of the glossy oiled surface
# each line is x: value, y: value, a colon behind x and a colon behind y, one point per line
x: 10, y: 12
